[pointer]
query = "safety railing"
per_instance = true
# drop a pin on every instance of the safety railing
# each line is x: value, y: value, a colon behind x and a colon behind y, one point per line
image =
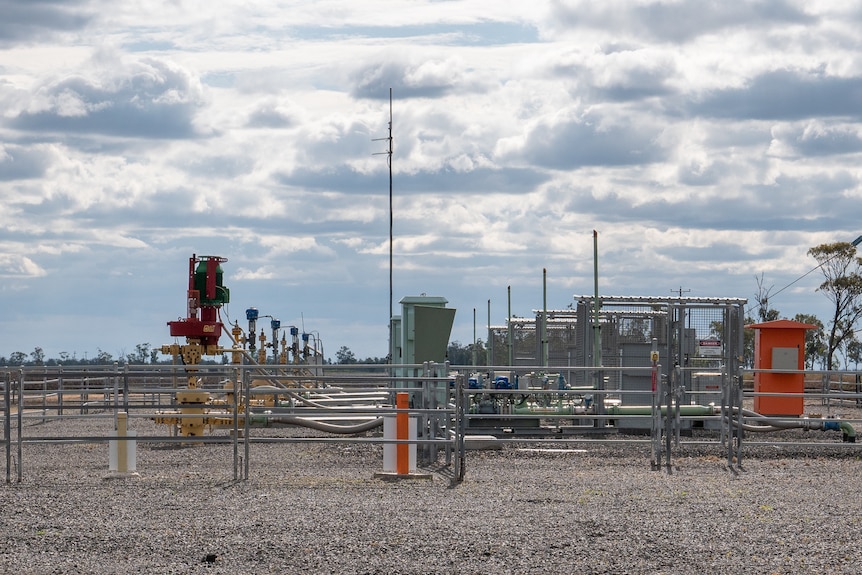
x: 237, y: 406
x: 456, y: 408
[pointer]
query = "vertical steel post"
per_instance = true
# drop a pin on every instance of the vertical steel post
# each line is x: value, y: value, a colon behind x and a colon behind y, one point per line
x: 246, y: 387
x: 510, y: 329
x: 235, y: 407
x: 60, y: 390
x: 7, y: 423
x: 739, y: 323
x: 126, y: 388
x: 656, y: 408
x: 20, y: 386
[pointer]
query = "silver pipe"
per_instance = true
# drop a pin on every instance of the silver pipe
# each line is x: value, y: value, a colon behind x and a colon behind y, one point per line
x: 328, y: 427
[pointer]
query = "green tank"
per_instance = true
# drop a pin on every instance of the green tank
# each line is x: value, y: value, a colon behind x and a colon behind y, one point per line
x: 222, y: 294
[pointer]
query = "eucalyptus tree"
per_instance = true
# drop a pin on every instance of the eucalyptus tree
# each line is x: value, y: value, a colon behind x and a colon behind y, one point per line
x: 841, y: 269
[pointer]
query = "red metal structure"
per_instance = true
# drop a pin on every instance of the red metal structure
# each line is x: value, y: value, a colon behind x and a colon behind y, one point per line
x: 206, y: 294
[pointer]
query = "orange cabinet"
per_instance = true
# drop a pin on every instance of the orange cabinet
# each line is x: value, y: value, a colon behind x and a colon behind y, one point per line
x: 779, y: 345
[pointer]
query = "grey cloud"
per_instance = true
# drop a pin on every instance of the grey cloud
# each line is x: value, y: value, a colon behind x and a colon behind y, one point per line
x: 637, y: 86
x: 695, y: 174
x: 577, y: 143
x: 808, y: 204
x: 270, y: 116
x: 340, y: 178
x: 33, y: 20
x: 786, y: 95
x: 634, y: 80
x: 672, y: 21
x: 828, y: 142
x: 153, y: 99
x: 478, y: 181
x: 18, y: 163
x: 425, y: 79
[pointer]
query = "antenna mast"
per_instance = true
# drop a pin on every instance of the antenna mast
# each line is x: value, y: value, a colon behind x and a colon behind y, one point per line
x: 388, y: 154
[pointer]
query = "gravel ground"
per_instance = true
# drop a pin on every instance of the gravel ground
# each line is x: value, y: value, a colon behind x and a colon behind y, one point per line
x: 317, y: 508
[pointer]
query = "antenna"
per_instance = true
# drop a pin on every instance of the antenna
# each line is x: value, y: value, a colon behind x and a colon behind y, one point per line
x: 680, y: 291
x: 388, y: 154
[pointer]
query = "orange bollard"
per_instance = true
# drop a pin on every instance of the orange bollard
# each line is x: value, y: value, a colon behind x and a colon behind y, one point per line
x: 402, y: 432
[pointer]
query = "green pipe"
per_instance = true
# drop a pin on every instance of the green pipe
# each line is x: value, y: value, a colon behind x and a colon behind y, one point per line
x: 532, y: 409
x: 848, y: 430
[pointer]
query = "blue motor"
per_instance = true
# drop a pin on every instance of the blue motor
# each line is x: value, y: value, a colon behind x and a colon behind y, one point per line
x: 502, y: 382
x: 474, y: 383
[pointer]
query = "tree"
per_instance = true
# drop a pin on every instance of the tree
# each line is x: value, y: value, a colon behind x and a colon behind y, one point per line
x: 345, y: 356
x: 762, y: 299
x: 17, y: 358
x: 854, y: 352
x: 38, y: 356
x: 843, y: 287
x: 458, y: 354
x: 103, y: 358
x: 140, y: 355
x: 815, y: 346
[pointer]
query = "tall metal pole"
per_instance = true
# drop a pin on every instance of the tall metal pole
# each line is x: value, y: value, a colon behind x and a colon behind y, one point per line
x: 509, y: 331
x: 388, y: 153
x: 389, y: 161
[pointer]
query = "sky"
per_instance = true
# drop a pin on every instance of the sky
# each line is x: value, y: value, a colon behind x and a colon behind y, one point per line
x: 709, y: 145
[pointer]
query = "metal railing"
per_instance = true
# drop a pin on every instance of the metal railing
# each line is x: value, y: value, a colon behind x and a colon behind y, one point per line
x: 253, y: 405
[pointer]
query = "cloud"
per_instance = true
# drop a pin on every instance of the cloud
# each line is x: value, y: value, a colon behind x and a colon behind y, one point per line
x: 21, y: 163
x: 416, y: 77
x: 570, y: 142
x: 618, y: 74
x: 31, y: 20
x: 273, y: 113
x: 667, y: 21
x: 16, y: 266
x: 785, y: 95
x: 140, y: 98
x: 820, y: 139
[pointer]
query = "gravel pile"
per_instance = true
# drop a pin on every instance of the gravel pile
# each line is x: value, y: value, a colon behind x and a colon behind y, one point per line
x: 317, y: 508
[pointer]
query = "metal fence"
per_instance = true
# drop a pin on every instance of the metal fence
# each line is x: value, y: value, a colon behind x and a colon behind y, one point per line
x: 456, y: 408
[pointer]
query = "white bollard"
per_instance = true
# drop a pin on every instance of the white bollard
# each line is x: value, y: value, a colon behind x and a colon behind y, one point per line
x: 122, y: 455
x: 399, y: 459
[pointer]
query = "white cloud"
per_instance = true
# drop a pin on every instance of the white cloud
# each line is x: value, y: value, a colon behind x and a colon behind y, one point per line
x: 691, y: 136
x: 16, y: 266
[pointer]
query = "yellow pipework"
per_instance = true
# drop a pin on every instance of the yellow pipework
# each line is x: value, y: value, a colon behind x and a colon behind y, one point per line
x: 261, y: 354
x: 236, y: 350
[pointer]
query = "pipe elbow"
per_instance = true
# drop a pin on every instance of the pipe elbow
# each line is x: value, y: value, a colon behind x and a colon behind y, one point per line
x: 849, y: 431
x: 845, y: 427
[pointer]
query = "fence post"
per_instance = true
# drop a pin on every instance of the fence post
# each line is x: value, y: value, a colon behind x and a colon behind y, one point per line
x: 460, y: 428
x: 20, y: 424
x: 7, y: 424
x: 60, y: 390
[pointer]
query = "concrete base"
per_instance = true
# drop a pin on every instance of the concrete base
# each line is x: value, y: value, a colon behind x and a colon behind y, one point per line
x: 393, y: 476
x: 122, y: 475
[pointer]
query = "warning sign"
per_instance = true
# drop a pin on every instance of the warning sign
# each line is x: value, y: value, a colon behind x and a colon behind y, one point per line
x: 709, y: 348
